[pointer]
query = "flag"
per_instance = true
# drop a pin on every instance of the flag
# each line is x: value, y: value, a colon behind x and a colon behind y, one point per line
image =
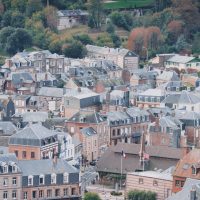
x: 146, y: 156
x: 123, y: 154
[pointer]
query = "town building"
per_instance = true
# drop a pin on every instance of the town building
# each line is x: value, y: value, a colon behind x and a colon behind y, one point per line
x: 34, y: 142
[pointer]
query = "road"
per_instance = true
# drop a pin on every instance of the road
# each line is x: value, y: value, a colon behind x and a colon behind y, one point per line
x: 87, y: 177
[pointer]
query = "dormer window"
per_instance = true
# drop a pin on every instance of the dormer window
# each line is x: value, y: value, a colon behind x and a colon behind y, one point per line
x: 5, y: 169
x: 53, y: 178
x: 14, y: 168
x: 30, y: 180
x: 41, y: 180
x: 65, y: 177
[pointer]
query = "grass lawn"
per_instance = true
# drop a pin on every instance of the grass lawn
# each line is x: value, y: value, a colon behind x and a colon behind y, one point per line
x: 117, y: 4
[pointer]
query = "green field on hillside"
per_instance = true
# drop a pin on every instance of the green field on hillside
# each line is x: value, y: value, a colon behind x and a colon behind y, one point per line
x: 120, y: 4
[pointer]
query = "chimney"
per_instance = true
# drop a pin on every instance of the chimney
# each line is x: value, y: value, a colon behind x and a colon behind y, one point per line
x: 79, y: 89
x: 8, y: 63
x: 193, y: 193
x: 55, y: 158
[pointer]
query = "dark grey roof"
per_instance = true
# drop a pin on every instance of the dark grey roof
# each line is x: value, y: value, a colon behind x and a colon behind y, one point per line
x: 8, y: 158
x: 17, y: 78
x: 92, y: 117
x: 170, y: 122
x: 68, y: 13
x: 184, y: 194
x: 8, y: 128
x: 51, y: 92
x: 188, y: 97
x: 34, y: 116
x: 47, y: 166
x: 89, y: 131
x: 173, y: 98
x: 32, y: 135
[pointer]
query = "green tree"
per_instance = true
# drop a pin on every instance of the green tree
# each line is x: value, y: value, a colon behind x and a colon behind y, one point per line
x: 110, y: 28
x: 181, y: 44
x: 84, y: 39
x: 96, y: 12
x: 74, y: 50
x: 19, y: 5
x: 4, y: 34
x: 17, y: 20
x: 120, y: 20
x: 138, y: 195
x: 196, y: 43
x: 33, y: 6
x: 18, y: 41
x: 91, y: 196
x: 6, y: 19
x: 116, y: 40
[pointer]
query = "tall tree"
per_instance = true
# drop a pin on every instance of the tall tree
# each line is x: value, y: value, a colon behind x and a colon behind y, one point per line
x: 91, y: 196
x: 96, y: 12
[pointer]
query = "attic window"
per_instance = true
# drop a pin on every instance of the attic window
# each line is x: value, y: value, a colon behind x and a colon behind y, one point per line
x: 194, y: 170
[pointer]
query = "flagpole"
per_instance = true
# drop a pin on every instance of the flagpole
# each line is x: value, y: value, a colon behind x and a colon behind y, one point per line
x: 121, y: 174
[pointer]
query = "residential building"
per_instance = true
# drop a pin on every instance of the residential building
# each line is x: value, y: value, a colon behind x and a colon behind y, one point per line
x: 150, y: 98
x: 81, y: 98
x: 159, y: 182
x: 90, y: 144
x: 187, y: 167
x: 121, y: 57
x: 183, y: 62
x: 34, y: 142
x: 167, y: 76
x: 190, y: 191
x: 49, y: 179
x: 10, y: 178
x: 71, y: 18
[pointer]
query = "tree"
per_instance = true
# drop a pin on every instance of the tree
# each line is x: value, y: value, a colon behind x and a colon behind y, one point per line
x: 33, y: 6
x: 4, y: 34
x: 138, y: 195
x: 6, y: 19
x: 91, y: 196
x: 19, y: 5
x: 51, y: 16
x: 196, y: 43
x: 120, y: 20
x: 18, y: 41
x: 84, y: 39
x: 181, y: 44
x: 96, y: 12
x: 110, y: 28
x: 74, y: 50
x: 116, y: 40
x: 17, y: 20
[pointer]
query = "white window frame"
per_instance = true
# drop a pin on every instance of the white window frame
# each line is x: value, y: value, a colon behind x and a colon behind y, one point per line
x: 53, y: 178
x: 41, y: 176
x: 30, y: 178
x: 5, y: 195
x: 5, y: 182
x: 14, y: 196
x: 65, y: 177
x: 25, y: 195
x: 14, y: 181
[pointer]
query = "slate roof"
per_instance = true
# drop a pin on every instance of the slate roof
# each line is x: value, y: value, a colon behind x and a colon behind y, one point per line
x: 19, y: 77
x: 46, y: 166
x: 34, y: 116
x: 68, y: 13
x: 117, y: 115
x: 168, y: 76
x: 90, y: 117
x: 8, y: 158
x: 187, y: 115
x: 31, y: 135
x: 8, y: 128
x: 171, y: 122
x: 161, y: 157
x: 88, y: 131
x: 50, y: 92
x: 180, y: 59
x: 153, y: 92
x: 184, y: 194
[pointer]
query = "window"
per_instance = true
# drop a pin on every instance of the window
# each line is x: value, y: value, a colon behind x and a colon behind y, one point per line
x: 177, y: 183
x: 140, y: 180
x: 32, y: 154
x: 23, y: 154
x: 182, y: 183
x: 34, y: 194
x: 72, y: 129
x: 49, y: 193
x: 14, y: 194
x: 5, y: 195
x: 113, y: 132
x: 14, y: 181
x: 5, y: 169
x: 193, y: 170
x: 41, y: 179
x: 30, y: 180
x: 57, y: 192
x: 5, y: 182
x: 14, y: 168
x: 66, y: 178
x: 53, y: 178
x: 25, y: 195
x: 65, y: 191
x: 16, y: 153
x: 155, y: 182
x: 41, y: 193
x: 73, y: 191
